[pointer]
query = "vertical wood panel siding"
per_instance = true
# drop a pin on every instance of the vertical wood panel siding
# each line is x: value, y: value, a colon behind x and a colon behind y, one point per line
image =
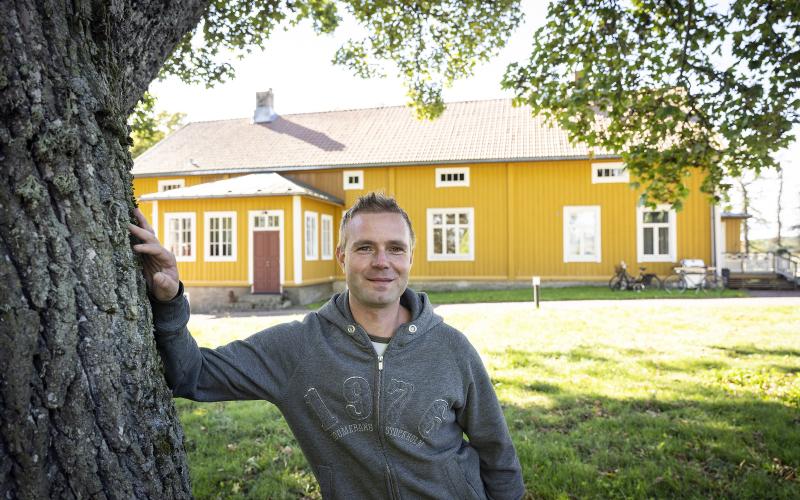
x: 542, y: 189
x: 518, y: 223
x: 201, y: 272
x: 416, y: 191
x: 316, y: 270
x: 328, y: 181
x: 733, y: 235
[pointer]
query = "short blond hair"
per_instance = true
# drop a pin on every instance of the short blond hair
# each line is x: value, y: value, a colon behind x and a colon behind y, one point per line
x: 373, y: 203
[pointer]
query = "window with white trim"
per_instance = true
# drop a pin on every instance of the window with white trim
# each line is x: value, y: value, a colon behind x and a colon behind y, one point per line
x: 170, y: 184
x: 353, y: 179
x: 582, y: 233
x: 266, y: 221
x: 607, y: 172
x: 452, y: 177
x: 312, y: 239
x: 656, y: 234
x: 327, y: 237
x: 220, y: 231
x: 451, y: 234
x: 179, y: 235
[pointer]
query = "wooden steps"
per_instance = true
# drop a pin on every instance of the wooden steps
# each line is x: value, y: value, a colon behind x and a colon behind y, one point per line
x: 760, y: 281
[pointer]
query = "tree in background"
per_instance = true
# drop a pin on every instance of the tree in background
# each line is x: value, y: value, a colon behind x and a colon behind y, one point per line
x: 671, y: 86
x: 149, y: 127
x: 745, y: 186
x: 84, y: 410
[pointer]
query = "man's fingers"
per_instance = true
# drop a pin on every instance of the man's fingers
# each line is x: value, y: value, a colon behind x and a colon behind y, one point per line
x: 143, y: 221
x: 142, y: 234
x: 154, y: 249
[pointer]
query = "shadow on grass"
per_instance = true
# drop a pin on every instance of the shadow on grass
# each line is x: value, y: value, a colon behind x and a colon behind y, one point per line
x: 519, y: 358
x: 707, y: 443
x: 752, y: 350
x: 692, y: 366
x: 714, y: 446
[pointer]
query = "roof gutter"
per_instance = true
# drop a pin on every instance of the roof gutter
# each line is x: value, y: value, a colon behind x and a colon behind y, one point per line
x: 289, y: 169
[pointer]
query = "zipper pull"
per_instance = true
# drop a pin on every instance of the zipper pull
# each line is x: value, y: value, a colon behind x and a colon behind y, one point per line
x: 380, y: 363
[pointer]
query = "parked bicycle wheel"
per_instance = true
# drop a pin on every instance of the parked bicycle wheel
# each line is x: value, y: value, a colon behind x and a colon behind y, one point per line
x: 652, y: 282
x: 675, y: 283
x: 713, y: 283
x: 618, y: 283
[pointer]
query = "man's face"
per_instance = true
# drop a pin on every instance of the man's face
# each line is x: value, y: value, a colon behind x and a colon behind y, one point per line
x: 376, y: 259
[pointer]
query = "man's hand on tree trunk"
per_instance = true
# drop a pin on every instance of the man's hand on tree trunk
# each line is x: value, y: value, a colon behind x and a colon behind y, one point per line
x: 160, y: 267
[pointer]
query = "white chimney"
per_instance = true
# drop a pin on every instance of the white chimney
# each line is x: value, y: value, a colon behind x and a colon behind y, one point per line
x: 265, y: 113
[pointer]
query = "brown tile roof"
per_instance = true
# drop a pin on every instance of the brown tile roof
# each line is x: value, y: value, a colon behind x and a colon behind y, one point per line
x: 474, y: 131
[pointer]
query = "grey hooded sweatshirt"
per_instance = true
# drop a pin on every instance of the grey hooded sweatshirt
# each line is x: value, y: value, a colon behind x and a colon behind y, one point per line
x: 371, y: 426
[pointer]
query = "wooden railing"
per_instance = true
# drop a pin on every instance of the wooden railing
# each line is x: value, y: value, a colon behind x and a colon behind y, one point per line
x: 784, y: 263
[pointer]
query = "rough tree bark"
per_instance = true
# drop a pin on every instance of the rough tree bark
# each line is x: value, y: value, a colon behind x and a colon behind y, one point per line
x: 84, y: 411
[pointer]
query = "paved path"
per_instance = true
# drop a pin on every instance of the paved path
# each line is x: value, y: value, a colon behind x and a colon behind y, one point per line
x: 762, y: 299
x: 738, y: 302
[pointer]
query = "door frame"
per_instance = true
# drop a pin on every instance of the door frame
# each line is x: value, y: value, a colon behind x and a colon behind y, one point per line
x: 251, y: 221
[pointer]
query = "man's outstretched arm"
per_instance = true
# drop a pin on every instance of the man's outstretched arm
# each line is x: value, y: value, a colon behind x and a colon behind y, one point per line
x: 255, y: 368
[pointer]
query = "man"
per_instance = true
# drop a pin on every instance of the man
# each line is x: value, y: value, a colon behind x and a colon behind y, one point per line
x: 376, y: 388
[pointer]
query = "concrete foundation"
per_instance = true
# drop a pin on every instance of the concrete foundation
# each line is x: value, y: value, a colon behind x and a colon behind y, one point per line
x: 206, y: 299
x: 451, y: 286
x: 302, y: 295
x: 210, y: 299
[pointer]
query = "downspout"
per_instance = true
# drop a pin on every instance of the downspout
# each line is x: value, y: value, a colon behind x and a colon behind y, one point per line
x: 717, y: 246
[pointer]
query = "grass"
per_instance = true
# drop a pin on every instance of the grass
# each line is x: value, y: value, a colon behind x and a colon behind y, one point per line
x: 564, y: 293
x: 604, y: 400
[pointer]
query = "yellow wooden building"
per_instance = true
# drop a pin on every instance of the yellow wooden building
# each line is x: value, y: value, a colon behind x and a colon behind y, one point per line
x: 496, y: 197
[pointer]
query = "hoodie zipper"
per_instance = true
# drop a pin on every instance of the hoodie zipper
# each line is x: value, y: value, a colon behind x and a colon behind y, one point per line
x: 380, y: 428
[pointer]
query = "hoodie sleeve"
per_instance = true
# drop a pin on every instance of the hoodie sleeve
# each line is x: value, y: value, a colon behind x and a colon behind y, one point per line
x: 484, y: 423
x: 258, y: 367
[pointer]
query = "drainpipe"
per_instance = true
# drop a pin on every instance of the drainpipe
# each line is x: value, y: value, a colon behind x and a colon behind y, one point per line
x: 714, y: 238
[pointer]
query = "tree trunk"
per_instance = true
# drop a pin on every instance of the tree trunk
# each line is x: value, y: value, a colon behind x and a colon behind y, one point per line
x: 745, y: 209
x: 84, y: 410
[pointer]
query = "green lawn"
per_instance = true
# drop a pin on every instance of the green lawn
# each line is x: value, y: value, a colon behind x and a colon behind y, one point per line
x: 642, y: 399
x: 565, y: 293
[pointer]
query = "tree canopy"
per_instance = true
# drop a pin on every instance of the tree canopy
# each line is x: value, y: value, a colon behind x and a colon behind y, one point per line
x: 669, y: 85
x: 431, y: 43
x: 148, y: 126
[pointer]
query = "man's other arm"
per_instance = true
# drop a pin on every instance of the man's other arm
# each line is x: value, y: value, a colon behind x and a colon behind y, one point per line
x: 484, y: 423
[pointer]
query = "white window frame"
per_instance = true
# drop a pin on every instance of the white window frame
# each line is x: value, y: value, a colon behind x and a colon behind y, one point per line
x: 597, y: 255
x: 326, y: 244
x: 251, y: 216
x: 355, y: 185
x: 311, y: 248
x: 452, y: 170
x: 168, y: 217
x: 672, y: 256
x: 207, y: 216
x: 162, y: 185
x: 624, y: 176
x: 470, y: 211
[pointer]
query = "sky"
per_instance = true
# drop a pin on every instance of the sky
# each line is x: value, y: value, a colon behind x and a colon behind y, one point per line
x: 296, y: 65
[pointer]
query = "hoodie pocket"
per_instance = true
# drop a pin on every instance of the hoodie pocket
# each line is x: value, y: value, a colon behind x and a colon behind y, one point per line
x: 325, y: 479
x: 458, y: 481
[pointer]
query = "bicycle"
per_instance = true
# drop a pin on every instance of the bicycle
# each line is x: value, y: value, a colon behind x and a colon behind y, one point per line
x: 683, y: 279
x: 622, y: 280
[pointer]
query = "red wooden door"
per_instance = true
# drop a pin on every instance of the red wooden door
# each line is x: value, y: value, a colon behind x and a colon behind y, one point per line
x: 266, y: 262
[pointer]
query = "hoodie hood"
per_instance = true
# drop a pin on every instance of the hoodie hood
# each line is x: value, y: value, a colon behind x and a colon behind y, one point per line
x: 423, y: 319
